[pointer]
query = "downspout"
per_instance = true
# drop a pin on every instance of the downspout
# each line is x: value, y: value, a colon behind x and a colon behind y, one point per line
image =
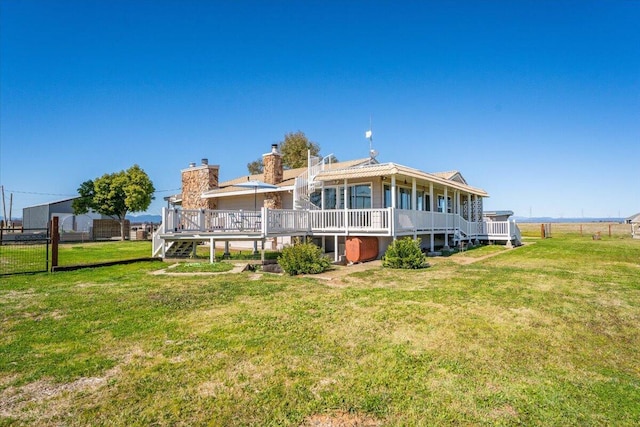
x: 393, y: 204
x: 446, y: 219
x: 432, y: 239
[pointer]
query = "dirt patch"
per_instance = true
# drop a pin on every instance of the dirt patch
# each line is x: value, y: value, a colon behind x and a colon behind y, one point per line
x: 46, y: 400
x: 504, y: 412
x: 460, y: 258
x: 340, y: 419
x: 15, y: 401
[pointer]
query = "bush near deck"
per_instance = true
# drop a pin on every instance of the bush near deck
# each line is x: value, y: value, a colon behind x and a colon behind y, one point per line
x: 546, y: 334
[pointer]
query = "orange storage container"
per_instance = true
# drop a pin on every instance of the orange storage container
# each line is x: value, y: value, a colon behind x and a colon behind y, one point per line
x: 360, y: 249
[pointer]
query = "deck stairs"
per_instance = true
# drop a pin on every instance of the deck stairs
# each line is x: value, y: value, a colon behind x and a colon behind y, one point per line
x: 178, y: 249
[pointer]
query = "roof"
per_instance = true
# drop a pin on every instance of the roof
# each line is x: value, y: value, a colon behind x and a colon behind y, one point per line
x: 389, y: 169
x: 55, y: 202
x: 451, y: 176
x: 228, y: 188
x: 497, y: 213
x: 634, y: 218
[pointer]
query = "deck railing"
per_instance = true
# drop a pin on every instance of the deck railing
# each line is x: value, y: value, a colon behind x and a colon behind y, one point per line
x: 157, y: 243
x: 501, y: 229
x: 385, y: 221
x: 207, y: 220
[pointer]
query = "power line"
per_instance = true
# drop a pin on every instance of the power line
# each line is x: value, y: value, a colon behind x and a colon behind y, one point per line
x: 70, y: 195
x: 166, y: 191
x: 40, y: 194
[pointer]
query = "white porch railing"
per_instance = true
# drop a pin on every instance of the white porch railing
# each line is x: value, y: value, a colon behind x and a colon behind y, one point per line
x: 208, y: 220
x: 386, y: 221
x: 283, y: 221
x: 412, y: 221
x: 502, y: 230
x: 157, y: 243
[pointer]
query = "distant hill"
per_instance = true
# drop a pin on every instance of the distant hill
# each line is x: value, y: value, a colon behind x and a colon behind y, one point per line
x: 145, y: 218
x: 565, y: 220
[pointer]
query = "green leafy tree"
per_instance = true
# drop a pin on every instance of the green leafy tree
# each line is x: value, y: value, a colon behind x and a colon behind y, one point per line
x: 294, y: 149
x: 116, y: 194
x: 256, y: 167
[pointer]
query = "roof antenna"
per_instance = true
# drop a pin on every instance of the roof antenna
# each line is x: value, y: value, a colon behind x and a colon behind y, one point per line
x: 369, y: 135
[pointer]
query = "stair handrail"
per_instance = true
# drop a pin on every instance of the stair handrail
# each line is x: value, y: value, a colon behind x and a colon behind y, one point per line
x: 157, y: 243
x: 305, y: 182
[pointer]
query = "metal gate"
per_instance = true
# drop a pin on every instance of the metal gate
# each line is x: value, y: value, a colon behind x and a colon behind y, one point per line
x: 25, y: 251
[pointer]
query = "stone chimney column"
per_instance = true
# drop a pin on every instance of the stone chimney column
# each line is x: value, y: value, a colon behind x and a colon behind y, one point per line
x: 273, y: 173
x: 195, y: 181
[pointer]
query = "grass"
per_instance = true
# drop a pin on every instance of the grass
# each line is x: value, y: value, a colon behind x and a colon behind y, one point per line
x: 543, y: 335
x: 93, y: 252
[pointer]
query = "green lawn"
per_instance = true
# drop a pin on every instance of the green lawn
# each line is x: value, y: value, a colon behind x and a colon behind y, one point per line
x: 547, y: 334
x: 94, y: 252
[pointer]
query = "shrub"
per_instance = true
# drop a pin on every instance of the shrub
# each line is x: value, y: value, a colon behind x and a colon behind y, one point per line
x: 404, y: 253
x: 303, y: 258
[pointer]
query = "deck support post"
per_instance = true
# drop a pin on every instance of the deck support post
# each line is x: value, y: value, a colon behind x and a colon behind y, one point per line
x: 432, y: 238
x: 212, y: 250
x: 336, y: 256
x: 226, y: 254
x: 446, y: 219
x: 393, y: 192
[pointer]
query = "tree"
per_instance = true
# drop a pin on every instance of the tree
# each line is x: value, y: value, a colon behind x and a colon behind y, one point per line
x: 116, y: 194
x: 294, y: 149
x: 256, y: 167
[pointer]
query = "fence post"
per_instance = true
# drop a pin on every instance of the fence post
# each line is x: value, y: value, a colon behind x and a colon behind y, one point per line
x: 609, y: 230
x: 542, y: 236
x: 55, y: 239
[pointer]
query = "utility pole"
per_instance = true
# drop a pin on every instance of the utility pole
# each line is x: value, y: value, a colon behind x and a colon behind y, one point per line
x: 4, y: 207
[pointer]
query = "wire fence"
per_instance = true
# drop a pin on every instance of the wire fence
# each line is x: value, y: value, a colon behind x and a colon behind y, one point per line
x: 24, y: 252
x: 585, y: 229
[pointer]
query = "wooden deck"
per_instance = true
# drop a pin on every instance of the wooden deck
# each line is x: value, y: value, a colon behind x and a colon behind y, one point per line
x: 237, y: 225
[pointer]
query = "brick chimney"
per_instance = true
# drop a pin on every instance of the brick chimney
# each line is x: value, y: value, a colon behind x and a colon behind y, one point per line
x: 195, y: 181
x: 273, y: 173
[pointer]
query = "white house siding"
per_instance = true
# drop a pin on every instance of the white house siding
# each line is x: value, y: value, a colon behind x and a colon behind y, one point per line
x: 244, y: 202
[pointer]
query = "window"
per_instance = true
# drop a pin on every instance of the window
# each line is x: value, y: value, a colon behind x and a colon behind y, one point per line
x: 387, y: 196
x: 333, y: 198
x: 441, y: 203
x: 316, y: 198
x: 360, y: 197
x: 427, y: 202
x: 404, y: 198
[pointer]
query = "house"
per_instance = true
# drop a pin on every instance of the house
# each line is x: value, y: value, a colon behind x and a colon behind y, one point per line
x: 634, y: 220
x: 496, y: 215
x: 329, y: 202
x: 629, y: 220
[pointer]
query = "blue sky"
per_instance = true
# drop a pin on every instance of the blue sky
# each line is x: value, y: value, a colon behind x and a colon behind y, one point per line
x: 537, y: 102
